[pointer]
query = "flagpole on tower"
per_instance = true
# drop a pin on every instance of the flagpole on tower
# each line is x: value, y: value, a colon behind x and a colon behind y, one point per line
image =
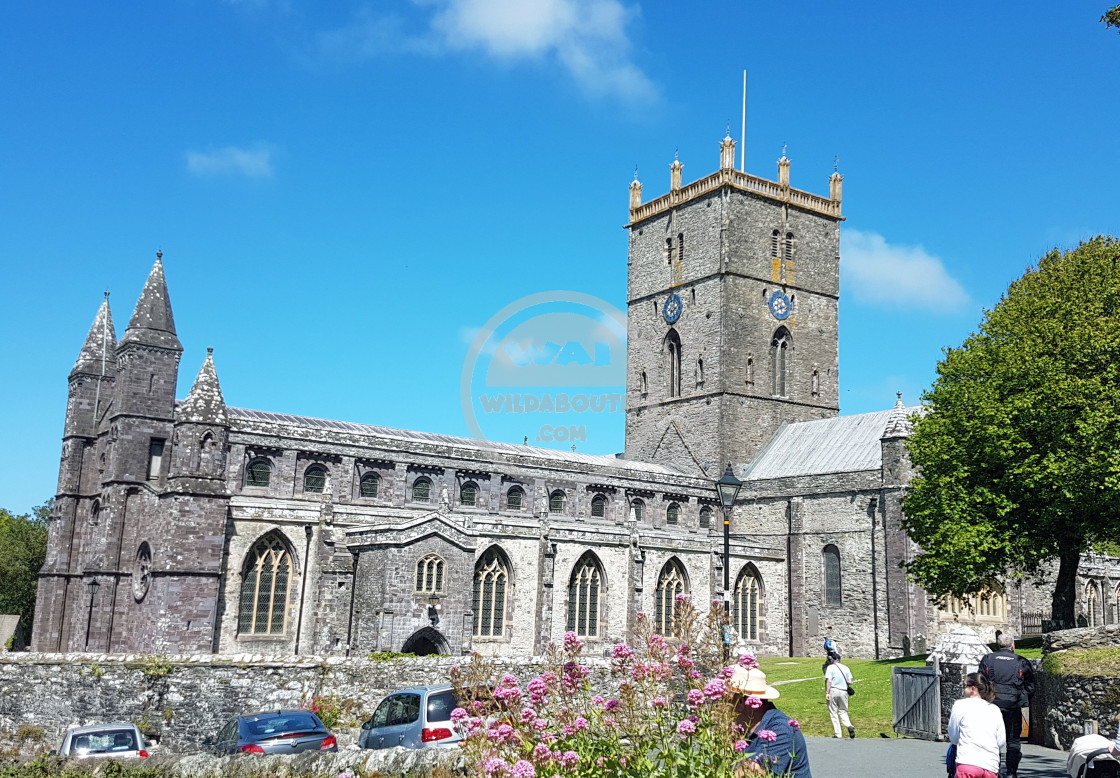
x: 743, y: 149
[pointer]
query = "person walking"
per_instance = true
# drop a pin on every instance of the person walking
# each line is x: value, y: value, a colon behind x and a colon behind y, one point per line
x: 976, y: 729
x: 773, y: 740
x: 837, y: 689
x: 1013, y: 679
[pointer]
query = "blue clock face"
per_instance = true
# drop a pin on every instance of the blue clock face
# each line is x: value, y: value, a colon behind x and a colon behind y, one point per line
x: 672, y: 309
x: 779, y: 305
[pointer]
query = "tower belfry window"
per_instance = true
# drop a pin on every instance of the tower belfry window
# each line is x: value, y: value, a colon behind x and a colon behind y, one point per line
x: 779, y: 361
x: 775, y: 236
x: 673, y: 344
x: 680, y: 247
x: 788, y: 249
x: 669, y: 250
x: 155, y: 458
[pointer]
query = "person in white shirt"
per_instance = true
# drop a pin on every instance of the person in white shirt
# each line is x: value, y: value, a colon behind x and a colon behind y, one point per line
x: 976, y: 728
x: 837, y: 681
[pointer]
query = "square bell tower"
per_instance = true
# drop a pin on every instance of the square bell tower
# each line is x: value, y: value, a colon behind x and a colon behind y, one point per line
x: 733, y: 294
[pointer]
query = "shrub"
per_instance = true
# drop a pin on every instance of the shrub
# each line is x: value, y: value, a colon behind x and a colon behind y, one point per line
x: 329, y: 708
x: 29, y: 732
x: 672, y: 716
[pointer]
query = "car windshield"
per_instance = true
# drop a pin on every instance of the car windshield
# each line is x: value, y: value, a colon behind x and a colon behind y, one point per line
x: 104, y: 742
x: 270, y: 726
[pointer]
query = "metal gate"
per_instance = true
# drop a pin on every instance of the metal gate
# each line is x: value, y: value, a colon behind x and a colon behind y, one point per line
x: 916, y: 701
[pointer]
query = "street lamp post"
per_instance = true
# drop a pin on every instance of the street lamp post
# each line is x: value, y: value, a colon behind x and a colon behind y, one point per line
x: 93, y: 586
x: 728, y: 487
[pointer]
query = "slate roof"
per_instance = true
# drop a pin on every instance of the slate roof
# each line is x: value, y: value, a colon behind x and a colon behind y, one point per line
x: 204, y: 404
x: 152, y: 323
x: 844, y: 444
x: 483, y: 447
x: 99, y: 351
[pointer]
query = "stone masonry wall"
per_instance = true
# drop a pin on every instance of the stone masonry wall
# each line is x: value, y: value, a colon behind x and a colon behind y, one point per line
x: 1065, y: 704
x: 181, y: 700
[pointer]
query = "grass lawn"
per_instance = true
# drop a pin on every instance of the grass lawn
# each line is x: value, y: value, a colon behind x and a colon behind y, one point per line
x: 803, y: 700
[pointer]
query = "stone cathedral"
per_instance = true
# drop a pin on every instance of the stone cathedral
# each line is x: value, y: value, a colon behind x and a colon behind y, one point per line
x: 189, y: 526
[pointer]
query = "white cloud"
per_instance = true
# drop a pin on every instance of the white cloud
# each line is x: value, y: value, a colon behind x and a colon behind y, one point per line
x: 231, y: 160
x: 903, y: 276
x: 587, y: 38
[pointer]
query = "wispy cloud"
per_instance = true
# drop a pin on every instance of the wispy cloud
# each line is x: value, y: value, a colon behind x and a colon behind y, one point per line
x: 902, y: 276
x: 587, y: 38
x: 231, y: 160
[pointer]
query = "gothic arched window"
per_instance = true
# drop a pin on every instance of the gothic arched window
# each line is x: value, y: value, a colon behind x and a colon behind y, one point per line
x: 265, y: 579
x: 775, y: 239
x: 315, y: 479
x: 788, y: 248
x: 95, y: 513
x: 673, y: 514
x: 468, y: 495
x: 705, y: 517
x: 832, y: 592
x: 673, y: 345
x: 779, y: 361
x: 584, y: 592
x: 745, y: 605
x: 421, y: 490
x: 637, y: 509
x: 370, y: 485
x: 515, y: 498
x: 670, y: 584
x: 430, y: 575
x: 598, y: 506
x: 491, y: 579
x: 556, y: 501
x: 1092, y: 604
x: 258, y: 473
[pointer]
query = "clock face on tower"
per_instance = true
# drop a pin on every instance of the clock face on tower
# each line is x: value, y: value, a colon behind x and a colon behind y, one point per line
x: 672, y: 309
x: 779, y: 305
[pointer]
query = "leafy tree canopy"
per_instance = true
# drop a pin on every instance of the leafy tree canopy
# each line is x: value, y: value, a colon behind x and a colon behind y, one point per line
x: 23, y: 547
x: 1111, y: 17
x: 1018, y: 456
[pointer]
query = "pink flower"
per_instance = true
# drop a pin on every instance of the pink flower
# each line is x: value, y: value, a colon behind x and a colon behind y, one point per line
x: 540, y: 725
x: 523, y: 769
x: 714, y: 690
x: 598, y: 699
x: 754, y: 702
x: 610, y: 705
x: 581, y: 724
x: 659, y: 702
x: 609, y: 721
x: 541, y: 752
x: 528, y: 715
x: 495, y: 765
x: 569, y: 759
x: 695, y: 698
x: 740, y: 745
x: 748, y: 661
x: 686, y: 728
x: 600, y: 762
x: 458, y: 715
x: 572, y: 643
x: 726, y: 672
x: 621, y: 651
x: 795, y: 723
x: 684, y: 663
x: 768, y: 734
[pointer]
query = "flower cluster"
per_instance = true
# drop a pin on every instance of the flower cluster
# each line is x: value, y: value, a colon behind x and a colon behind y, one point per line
x: 666, y: 709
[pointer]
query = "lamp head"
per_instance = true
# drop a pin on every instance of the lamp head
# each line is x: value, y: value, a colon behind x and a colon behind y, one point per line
x: 728, y: 487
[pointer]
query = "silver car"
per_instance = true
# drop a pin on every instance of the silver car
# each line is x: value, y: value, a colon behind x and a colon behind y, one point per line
x: 103, y: 740
x: 413, y: 718
x: 274, y: 732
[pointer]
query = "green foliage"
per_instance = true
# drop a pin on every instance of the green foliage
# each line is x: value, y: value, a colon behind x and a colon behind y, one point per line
x: 330, y: 708
x: 1083, y: 662
x: 29, y: 732
x: 1111, y: 17
x: 388, y: 656
x: 23, y: 547
x: 156, y: 667
x: 1018, y: 456
x: 96, y: 670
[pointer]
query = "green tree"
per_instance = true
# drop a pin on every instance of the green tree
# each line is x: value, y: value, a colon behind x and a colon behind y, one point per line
x: 1018, y: 456
x: 1111, y: 17
x: 23, y: 547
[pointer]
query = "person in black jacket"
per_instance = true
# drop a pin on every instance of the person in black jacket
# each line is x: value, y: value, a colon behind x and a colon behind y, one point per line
x: 1013, y: 678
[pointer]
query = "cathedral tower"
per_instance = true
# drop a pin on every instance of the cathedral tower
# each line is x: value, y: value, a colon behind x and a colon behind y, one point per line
x: 733, y: 297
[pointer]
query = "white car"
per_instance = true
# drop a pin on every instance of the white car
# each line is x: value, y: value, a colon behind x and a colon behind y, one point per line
x: 103, y: 740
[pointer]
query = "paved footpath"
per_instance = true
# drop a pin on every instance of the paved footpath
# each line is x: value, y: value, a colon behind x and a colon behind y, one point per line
x: 833, y: 758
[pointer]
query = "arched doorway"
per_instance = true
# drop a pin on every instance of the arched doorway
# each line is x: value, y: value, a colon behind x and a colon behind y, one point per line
x: 425, y: 642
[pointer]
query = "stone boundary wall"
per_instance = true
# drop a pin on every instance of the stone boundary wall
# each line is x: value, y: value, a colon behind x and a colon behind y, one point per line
x: 181, y: 700
x: 1064, y: 704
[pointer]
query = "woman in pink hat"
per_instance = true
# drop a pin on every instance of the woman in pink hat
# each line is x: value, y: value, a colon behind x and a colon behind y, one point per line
x: 773, y: 739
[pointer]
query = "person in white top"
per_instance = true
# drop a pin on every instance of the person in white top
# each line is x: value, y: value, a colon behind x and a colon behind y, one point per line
x: 976, y: 728
x: 837, y: 681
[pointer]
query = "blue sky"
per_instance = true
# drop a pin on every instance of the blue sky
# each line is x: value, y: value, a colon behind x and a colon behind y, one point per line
x: 346, y: 192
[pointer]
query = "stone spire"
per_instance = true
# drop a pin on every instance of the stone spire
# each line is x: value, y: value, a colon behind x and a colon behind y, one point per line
x: 635, y: 191
x: 727, y: 151
x: 152, y: 323
x: 898, y: 424
x: 100, y: 349
x: 204, y: 404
